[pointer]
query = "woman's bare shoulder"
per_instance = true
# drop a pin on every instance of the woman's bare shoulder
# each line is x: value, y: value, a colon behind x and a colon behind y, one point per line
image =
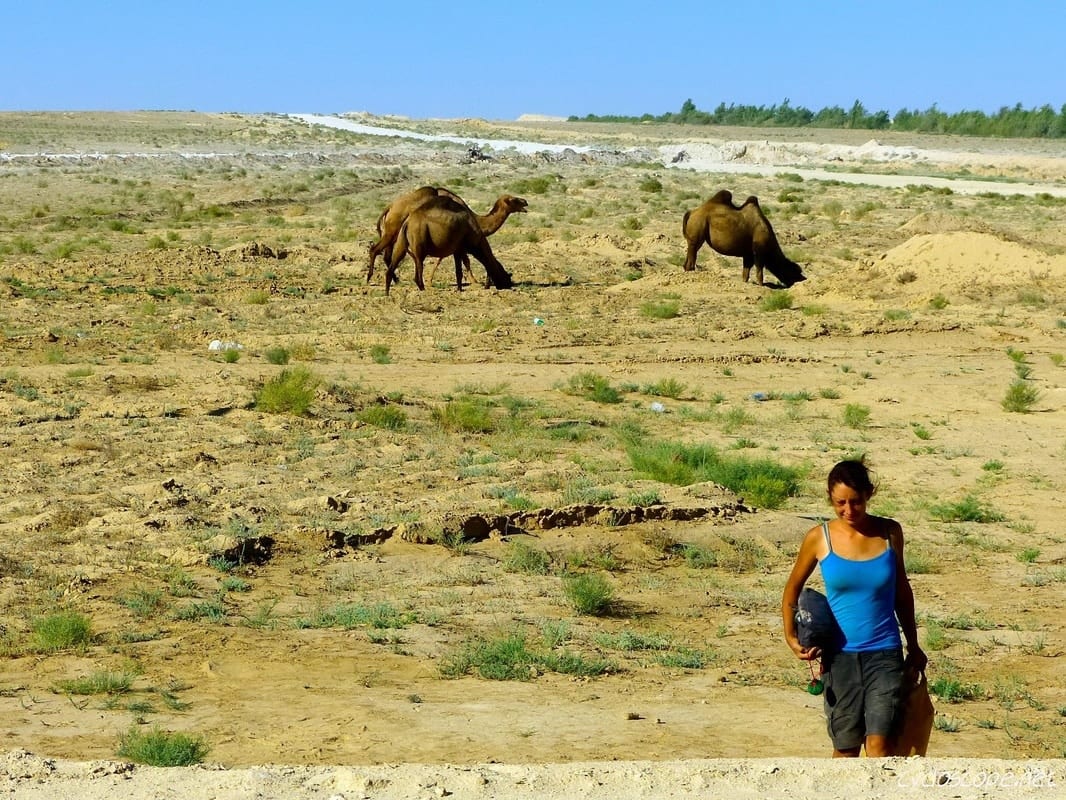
x: 889, y: 528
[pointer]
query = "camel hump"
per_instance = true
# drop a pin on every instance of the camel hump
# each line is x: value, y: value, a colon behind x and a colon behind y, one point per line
x: 751, y: 201
x: 722, y: 196
x: 444, y: 203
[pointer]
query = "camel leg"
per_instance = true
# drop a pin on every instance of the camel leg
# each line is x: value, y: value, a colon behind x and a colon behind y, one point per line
x: 390, y: 275
x: 433, y: 271
x: 690, y: 256
x: 758, y: 271
x: 418, y: 273
x: 373, y: 258
x: 746, y: 271
x: 376, y: 249
x: 459, y: 259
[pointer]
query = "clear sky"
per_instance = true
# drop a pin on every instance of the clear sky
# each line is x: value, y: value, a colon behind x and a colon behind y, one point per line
x: 448, y: 58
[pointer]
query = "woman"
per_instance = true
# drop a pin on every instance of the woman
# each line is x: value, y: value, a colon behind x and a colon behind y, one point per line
x: 861, y: 559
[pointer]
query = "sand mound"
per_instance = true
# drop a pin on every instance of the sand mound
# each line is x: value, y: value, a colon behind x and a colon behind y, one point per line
x: 956, y: 264
x: 964, y: 259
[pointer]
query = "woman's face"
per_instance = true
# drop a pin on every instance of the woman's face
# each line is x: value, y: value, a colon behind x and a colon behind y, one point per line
x: 849, y: 504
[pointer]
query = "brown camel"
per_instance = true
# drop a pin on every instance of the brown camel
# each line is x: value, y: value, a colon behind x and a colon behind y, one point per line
x: 442, y: 228
x: 505, y: 205
x: 392, y: 218
x: 742, y: 231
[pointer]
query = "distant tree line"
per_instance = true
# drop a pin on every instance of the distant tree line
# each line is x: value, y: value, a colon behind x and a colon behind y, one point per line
x: 1041, y: 122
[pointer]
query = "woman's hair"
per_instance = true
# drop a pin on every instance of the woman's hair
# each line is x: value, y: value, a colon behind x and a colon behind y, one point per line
x: 853, y: 474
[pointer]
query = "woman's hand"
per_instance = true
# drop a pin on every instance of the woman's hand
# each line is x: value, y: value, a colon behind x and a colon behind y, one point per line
x: 916, y: 661
x: 805, y: 653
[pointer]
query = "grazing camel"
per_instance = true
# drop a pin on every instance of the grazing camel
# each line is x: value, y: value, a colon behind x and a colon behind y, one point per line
x: 505, y: 205
x: 742, y: 231
x: 392, y: 218
x: 442, y: 228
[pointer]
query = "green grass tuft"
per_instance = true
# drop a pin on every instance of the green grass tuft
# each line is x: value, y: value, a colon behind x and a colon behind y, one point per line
x: 63, y: 630
x: 159, y: 748
x: 759, y: 481
x: 589, y: 593
x: 291, y: 392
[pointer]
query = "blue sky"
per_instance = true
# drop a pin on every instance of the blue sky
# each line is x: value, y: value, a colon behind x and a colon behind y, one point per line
x: 498, y: 60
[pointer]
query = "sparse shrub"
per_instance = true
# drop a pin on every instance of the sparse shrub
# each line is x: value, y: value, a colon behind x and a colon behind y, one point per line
x: 856, y: 415
x: 589, y: 593
x: 379, y: 353
x: 593, y: 387
x: 538, y: 185
x: 1028, y: 555
x: 384, y: 416
x: 699, y: 557
x: 291, y: 392
x: 505, y: 659
x: 660, y: 309
x: 231, y: 355
x: 952, y: 690
x: 779, y: 300
x: 526, y: 559
x: 938, y: 302
x: 969, y: 509
x: 644, y: 499
x: 257, y: 297
x: 276, y: 355
x: 651, y: 184
x: 63, y: 630
x: 159, y: 748
x: 144, y: 602
x: 511, y: 497
x: 465, y: 416
x: 665, y: 387
x: 760, y: 481
x: 1021, y: 397
x: 582, y: 490
x: 918, y: 563
x: 97, y: 683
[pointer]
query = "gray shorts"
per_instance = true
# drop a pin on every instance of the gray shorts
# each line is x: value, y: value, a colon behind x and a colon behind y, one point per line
x: 862, y: 695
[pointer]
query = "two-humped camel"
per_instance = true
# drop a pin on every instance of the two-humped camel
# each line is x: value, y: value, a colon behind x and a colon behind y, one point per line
x: 742, y: 231
x: 440, y: 228
x: 393, y: 217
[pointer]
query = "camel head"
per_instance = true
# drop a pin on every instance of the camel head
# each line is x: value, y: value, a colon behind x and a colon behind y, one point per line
x: 512, y: 204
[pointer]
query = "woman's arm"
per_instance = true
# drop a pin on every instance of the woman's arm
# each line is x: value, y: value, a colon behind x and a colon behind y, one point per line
x: 916, y: 659
x: 806, y: 561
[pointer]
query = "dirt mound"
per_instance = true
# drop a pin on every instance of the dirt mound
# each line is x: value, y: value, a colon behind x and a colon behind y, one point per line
x: 957, y: 265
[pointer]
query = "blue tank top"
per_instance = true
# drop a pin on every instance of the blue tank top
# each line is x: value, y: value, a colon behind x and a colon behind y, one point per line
x: 862, y: 595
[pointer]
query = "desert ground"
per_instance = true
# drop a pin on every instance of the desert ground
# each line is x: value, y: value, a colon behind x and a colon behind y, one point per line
x: 327, y: 532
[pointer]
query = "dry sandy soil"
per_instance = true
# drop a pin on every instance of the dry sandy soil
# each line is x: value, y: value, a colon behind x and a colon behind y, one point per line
x: 309, y: 589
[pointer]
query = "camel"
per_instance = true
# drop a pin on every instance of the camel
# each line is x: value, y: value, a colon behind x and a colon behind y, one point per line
x: 392, y: 218
x: 505, y: 205
x: 742, y: 231
x: 442, y: 228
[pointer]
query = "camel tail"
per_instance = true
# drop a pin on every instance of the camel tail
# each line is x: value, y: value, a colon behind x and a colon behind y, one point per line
x: 684, y: 221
